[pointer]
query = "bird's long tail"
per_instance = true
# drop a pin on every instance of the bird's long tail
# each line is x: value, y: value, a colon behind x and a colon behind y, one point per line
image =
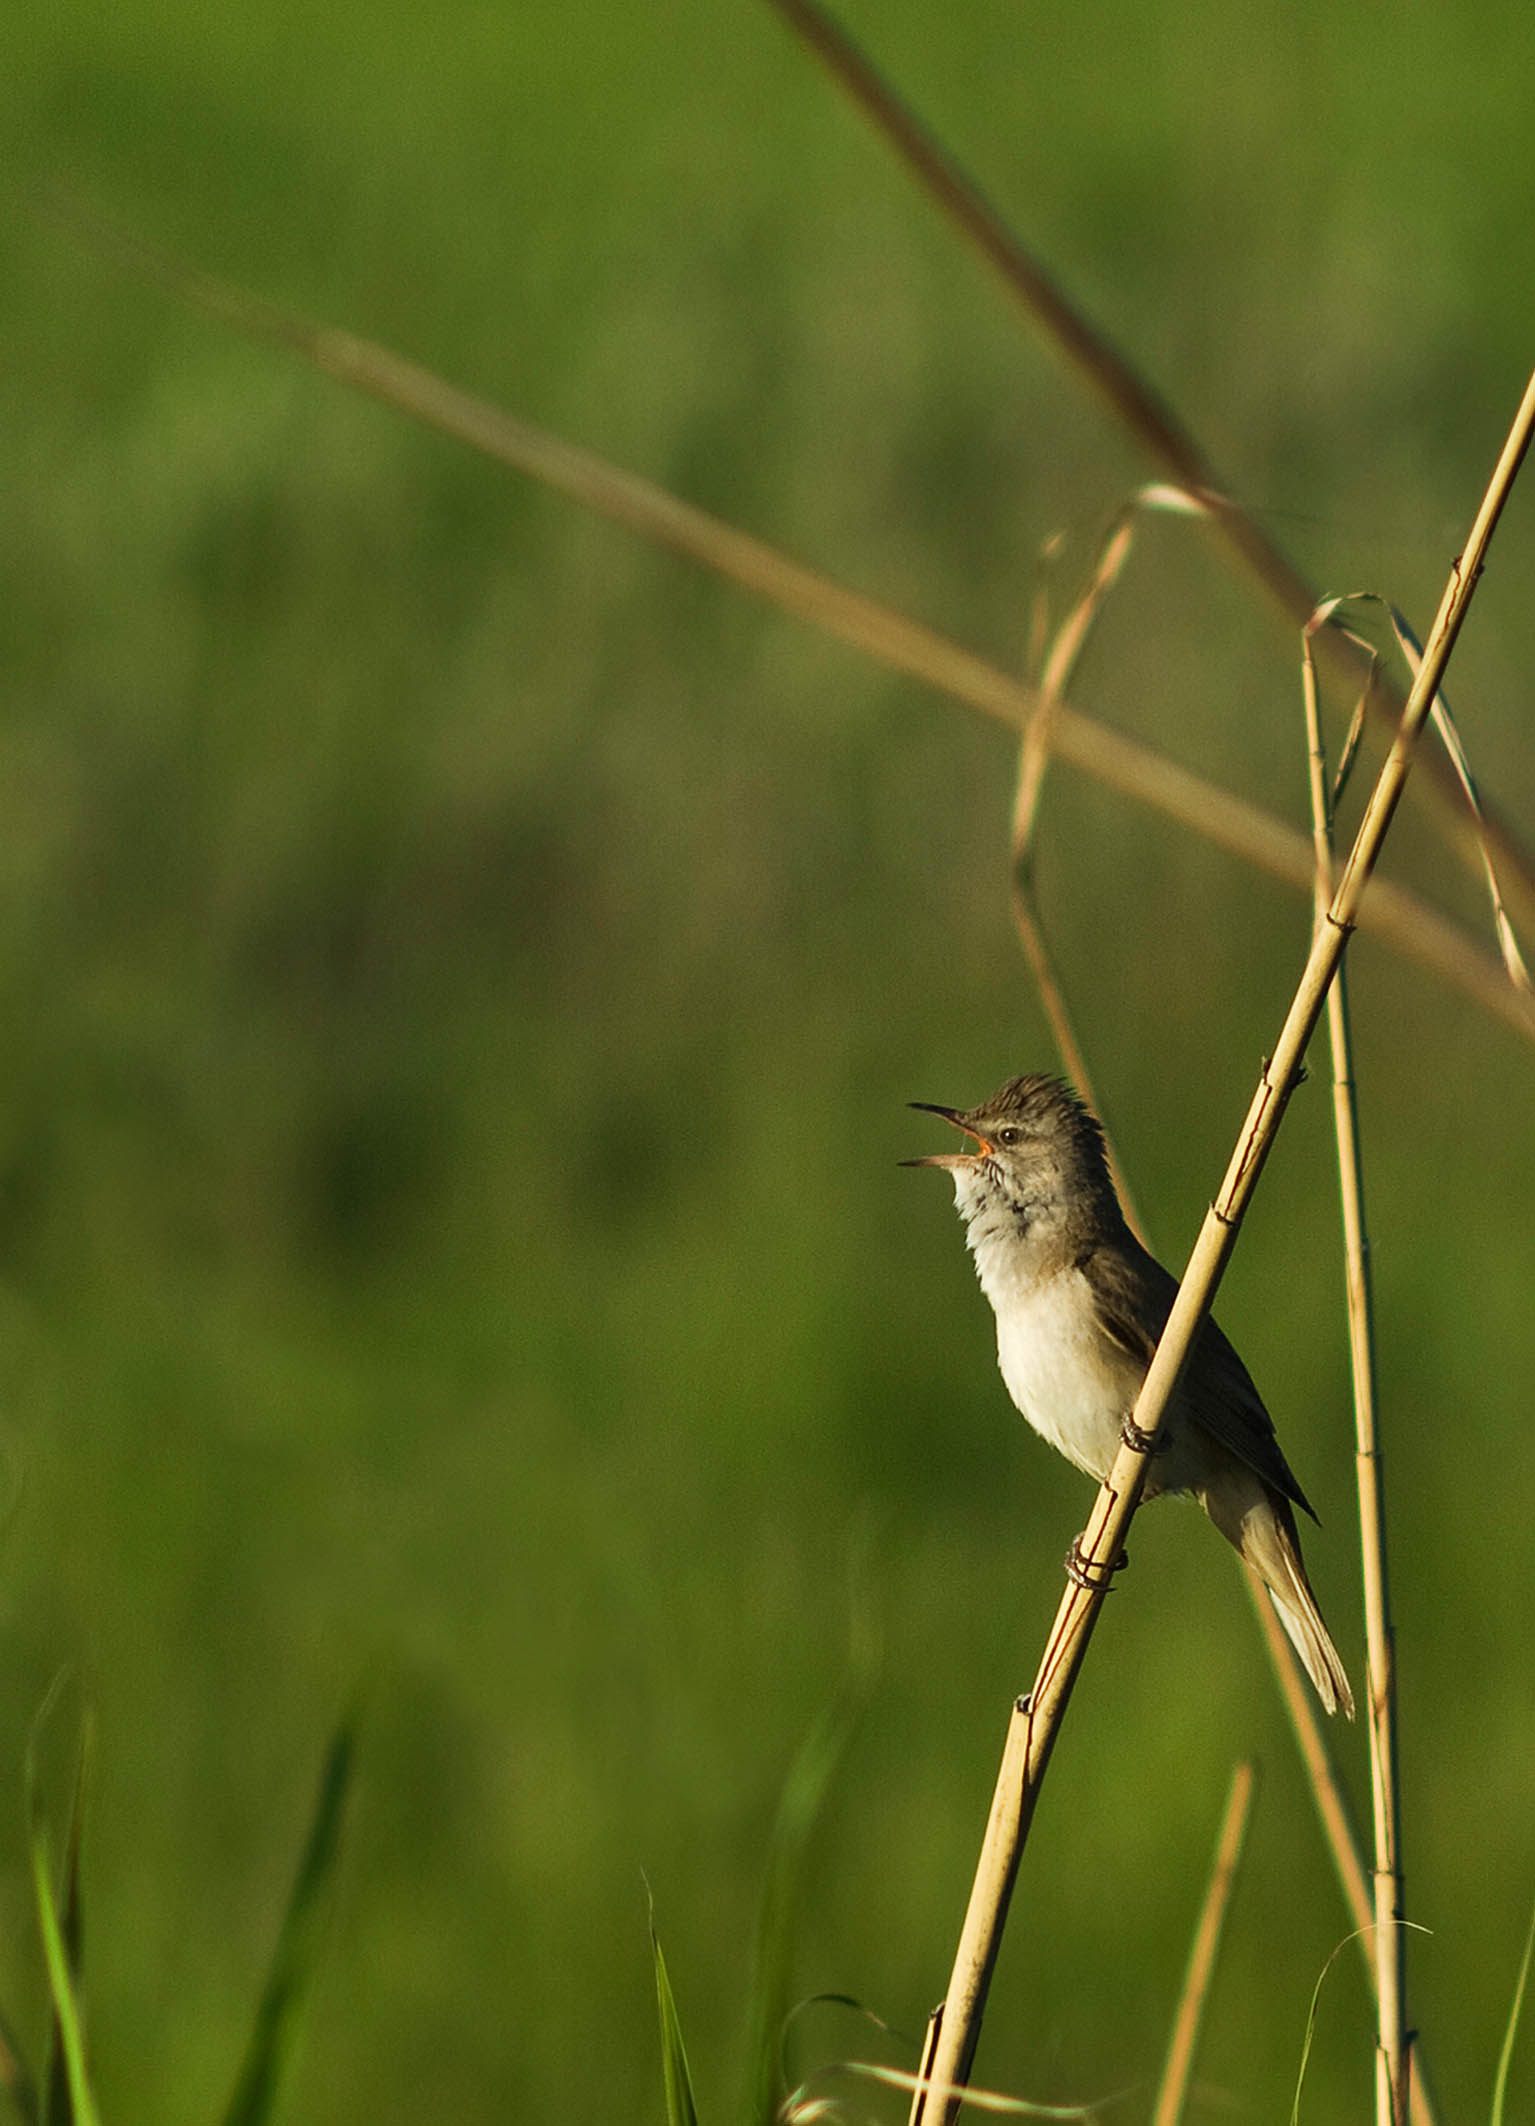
x: 1266, y: 1537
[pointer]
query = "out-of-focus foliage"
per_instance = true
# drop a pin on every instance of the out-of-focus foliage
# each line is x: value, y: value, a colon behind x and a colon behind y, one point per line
x: 461, y: 975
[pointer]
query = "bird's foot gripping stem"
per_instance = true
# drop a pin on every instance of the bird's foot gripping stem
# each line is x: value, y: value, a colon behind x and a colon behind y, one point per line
x: 1145, y: 1442
x: 1092, y: 1579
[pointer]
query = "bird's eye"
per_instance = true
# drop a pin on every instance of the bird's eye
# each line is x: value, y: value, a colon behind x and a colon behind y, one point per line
x: 1007, y: 1136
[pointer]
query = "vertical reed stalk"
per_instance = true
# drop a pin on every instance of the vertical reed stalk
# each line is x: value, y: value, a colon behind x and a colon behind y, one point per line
x: 1206, y: 1947
x: 1393, y: 2063
x: 1337, y: 1819
x: 1036, y: 1719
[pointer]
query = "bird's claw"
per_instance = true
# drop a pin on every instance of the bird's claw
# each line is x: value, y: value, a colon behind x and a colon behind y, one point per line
x: 1091, y: 1578
x: 1158, y: 1442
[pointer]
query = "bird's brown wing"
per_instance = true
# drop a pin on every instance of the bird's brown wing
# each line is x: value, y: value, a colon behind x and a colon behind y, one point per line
x: 1134, y: 1296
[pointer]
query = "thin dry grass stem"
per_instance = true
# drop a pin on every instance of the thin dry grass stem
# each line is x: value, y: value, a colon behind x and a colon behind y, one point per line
x: 1057, y: 670
x: 1508, y: 944
x: 1057, y: 664
x: 1338, y: 1826
x: 1036, y: 1719
x: 1355, y: 729
x: 1039, y: 607
x: 929, y: 2052
x: 1450, y: 739
x: 1389, y: 1934
x: 1327, y: 616
x: 994, y: 2101
x: 1147, y: 416
x: 1179, y: 2066
x: 1026, y: 921
x: 1137, y: 771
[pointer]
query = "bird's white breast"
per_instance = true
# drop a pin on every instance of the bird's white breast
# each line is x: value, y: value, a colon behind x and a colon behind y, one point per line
x: 1072, y: 1385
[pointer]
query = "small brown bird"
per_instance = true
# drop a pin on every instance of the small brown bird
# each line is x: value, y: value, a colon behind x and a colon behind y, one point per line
x: 1080, y: 1306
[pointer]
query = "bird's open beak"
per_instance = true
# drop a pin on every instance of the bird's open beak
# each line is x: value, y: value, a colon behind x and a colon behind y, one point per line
x: 950, y: 1160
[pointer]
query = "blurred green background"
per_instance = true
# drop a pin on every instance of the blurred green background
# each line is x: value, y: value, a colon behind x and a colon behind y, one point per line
x: 462, y: 973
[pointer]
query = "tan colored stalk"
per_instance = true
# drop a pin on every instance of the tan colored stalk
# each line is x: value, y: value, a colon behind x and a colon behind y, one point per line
x: 1036, y: 1719
x: 1333, y: 1811
x: 1147, y: 416
x: 1137, y: 771
x: 1056, y: 666
x: 1056, y: 673
x: 1179, y: 2066
x: 1337, y: 1818
x: 1056, y: 670
x: 1389, y: 1933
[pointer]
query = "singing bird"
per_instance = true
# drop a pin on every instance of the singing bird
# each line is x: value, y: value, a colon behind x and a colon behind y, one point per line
x: 1080, y: 1306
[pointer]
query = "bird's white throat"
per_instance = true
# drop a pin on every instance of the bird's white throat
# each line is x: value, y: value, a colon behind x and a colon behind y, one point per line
x: 1059, y: 1370
x: 1012, y: 1238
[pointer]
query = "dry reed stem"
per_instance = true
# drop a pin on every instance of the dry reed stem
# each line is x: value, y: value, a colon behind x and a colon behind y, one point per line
x: 1147, y: 416
x: 1327, y: 614
x: 1334, y: 1815
x: 1444, y: 723
x: 1333, y: 1808
x: 1508, y: 944
x: 1057, y: 670
x: 1168, y: 2110
x: 1389, y: 1934
x: 1244, y: 830
x: 1337, y: 1819
x: 1056, y: 666
x: 1036, y: 1719
x: 1333, y: 1812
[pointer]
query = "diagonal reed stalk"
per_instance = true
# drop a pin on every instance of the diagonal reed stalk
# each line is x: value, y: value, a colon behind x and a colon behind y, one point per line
x: 1143, y: 412
x: 1137, y: 771
x: 1055, y: 668
x: 1036, y: 1719
x: 1230, y: 1838
x: 1389, y: 1934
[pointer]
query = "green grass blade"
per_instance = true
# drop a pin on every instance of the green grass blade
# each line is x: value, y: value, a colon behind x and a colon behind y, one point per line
x: 677, y: 2080
x: 275, y: 2033
x: 1316, y: 1995
x: 61, y: 1981
x: 67, y: 2098
x: 1505, y: 2057
x: 799, y: 1811
x: 66, y: 2006
x: 58, y: 2096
